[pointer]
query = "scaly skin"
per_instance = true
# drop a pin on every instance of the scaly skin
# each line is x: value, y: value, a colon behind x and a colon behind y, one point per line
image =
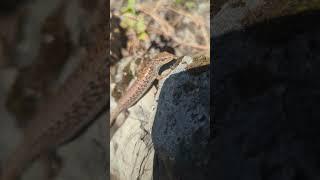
x: 144, y: 80
x: 82, y: 97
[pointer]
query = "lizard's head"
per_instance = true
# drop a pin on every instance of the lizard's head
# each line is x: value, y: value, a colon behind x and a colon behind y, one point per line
x: 164, y: 57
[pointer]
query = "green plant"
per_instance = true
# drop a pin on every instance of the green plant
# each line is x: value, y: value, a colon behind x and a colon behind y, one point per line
x: 132, y: 20
x: 189, y: 4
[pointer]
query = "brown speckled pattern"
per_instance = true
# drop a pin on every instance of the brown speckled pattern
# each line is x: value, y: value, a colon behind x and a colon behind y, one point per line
x: 145, y: 79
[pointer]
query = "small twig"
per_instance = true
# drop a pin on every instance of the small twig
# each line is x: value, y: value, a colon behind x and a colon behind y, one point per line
x: 197, y: 20
x: 193, y: 45
x: 169, y: 31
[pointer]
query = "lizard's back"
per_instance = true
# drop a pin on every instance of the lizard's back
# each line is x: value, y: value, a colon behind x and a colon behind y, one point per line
x: 136, y: 90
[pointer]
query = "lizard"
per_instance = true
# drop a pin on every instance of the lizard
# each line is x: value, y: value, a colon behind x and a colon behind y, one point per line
x: 145, y: 78
x: 82, y: 97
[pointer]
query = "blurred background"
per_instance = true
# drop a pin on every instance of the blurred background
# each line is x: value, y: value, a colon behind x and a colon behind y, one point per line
x: 41, y: 42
